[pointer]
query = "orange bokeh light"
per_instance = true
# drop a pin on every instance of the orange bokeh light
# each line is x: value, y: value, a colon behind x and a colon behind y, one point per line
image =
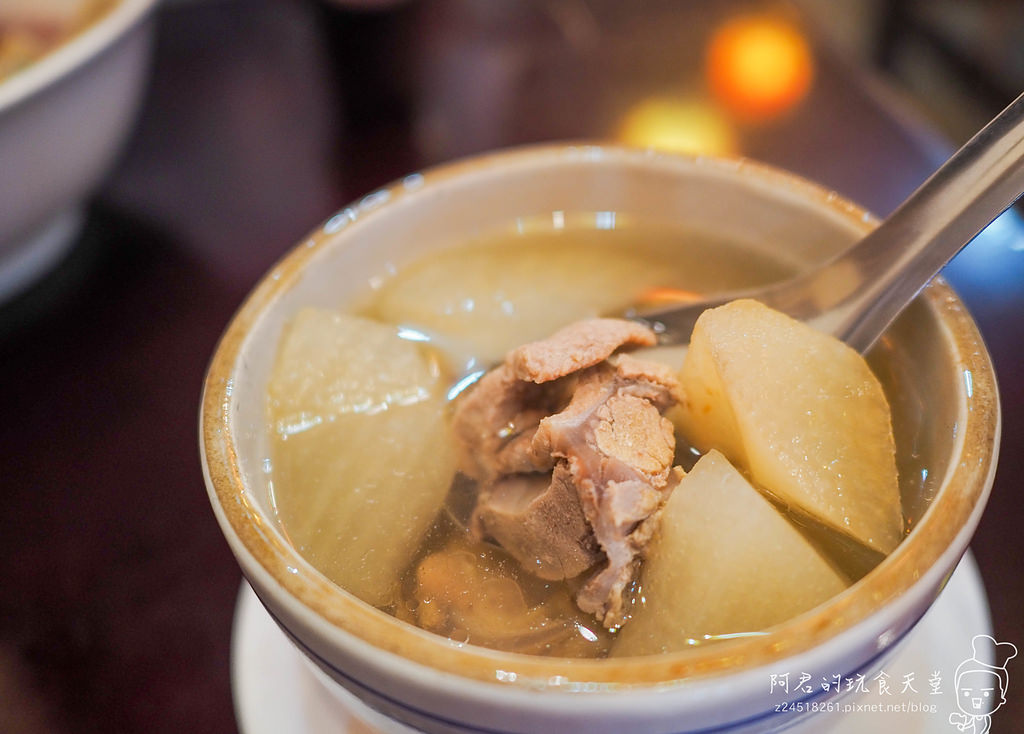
x: 758, y: 66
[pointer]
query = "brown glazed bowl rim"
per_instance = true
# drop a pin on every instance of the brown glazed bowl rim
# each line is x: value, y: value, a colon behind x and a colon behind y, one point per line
x: 935, y: 544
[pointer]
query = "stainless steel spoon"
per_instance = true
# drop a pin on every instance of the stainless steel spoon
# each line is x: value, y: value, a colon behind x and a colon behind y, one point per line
x: 856, y: 295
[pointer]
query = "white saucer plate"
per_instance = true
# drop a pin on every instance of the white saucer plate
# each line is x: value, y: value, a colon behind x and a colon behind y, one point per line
x: 276, y: 690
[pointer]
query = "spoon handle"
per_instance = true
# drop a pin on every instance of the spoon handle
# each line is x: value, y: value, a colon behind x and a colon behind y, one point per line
x: 859, y: 293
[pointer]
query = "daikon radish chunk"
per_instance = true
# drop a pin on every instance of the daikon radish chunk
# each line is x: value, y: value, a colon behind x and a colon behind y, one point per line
x: 724, y: 560
x: 361, y: 454
x: 495, y: 299
x: 801, y: 412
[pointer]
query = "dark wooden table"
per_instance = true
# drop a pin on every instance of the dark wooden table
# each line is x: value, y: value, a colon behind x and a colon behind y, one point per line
x: 263, y: 117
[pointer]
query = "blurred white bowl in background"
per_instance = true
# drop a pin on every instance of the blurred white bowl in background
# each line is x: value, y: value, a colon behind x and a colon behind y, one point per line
x: 63, y: 119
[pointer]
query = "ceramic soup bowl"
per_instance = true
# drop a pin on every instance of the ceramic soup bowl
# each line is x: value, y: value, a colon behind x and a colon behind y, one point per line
x: 937, y: 374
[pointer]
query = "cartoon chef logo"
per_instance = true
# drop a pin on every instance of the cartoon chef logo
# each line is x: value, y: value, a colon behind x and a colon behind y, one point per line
x: 980, y: 685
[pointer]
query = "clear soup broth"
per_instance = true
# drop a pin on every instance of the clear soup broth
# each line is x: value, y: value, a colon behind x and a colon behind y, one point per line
x: 363, y: 483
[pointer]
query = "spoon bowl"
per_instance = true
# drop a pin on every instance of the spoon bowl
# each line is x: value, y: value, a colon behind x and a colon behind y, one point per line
x: 857, y: 294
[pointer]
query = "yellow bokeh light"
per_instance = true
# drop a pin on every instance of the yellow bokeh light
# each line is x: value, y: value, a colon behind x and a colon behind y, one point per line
x: 759, y: 66
x: 678, y: 126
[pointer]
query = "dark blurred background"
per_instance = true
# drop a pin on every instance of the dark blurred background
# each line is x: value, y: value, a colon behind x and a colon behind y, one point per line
x: 262, y: 118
